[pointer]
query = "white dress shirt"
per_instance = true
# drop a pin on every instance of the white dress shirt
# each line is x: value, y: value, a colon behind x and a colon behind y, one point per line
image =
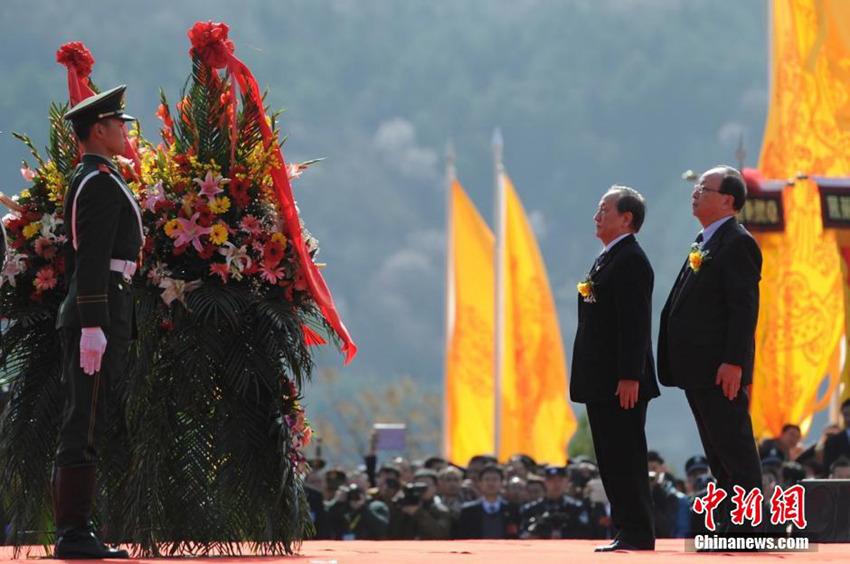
x: 711, y: 229
x: 610, y: 245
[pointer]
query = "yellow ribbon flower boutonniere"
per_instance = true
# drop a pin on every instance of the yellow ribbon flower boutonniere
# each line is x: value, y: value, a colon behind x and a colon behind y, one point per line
x: 697, y: 257
x: 585, y: 289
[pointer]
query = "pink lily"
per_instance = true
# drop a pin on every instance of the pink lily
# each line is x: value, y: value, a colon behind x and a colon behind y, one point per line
x: 209, y: 185
x: 190, y: 232
x: 27, y: 173
x: 293, y: 171
x: 156, y: 195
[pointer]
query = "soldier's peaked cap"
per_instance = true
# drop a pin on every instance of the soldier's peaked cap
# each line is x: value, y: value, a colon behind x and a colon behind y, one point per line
x: 109, y: 104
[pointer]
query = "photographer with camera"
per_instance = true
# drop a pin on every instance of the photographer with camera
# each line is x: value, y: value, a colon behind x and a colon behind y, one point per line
x: 417, y: 513
x: 670, y: 507
x: 557, y: 515
x: 356, y: 517
x: 491, y: 516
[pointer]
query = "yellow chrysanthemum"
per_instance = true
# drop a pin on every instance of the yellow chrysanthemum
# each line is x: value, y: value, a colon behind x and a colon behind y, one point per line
x: 584, y: 289
x: 171, y: 226
x: 279, y: 238
x: 218, y: 234
x: 32, y: 229
x: 220, y: 205
x: 25, y: 193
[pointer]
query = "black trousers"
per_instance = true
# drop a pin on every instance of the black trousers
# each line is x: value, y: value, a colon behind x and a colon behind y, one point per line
x: 726, y: 432
x: 620, y: 444
x: 90, y: 402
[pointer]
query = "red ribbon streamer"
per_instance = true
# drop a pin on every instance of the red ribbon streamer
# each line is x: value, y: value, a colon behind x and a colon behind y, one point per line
x: 210, y: 43
x: 79, y: 61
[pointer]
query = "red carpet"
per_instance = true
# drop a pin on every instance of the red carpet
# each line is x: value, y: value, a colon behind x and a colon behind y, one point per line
x: 668, y: 551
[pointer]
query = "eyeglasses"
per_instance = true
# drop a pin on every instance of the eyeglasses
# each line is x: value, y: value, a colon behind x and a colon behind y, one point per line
x: 702, y: 189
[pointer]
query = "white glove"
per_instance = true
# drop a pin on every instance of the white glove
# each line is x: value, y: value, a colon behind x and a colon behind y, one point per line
x: 92, y: 347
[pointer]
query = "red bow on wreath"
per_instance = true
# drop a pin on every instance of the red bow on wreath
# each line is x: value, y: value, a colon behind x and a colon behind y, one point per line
x: 79, y: 62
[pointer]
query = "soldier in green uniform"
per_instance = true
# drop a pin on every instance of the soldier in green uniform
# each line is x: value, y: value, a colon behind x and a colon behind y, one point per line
x: 104, y: 236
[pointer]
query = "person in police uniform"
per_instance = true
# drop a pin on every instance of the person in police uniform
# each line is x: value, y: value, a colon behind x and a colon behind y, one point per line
x: 104, y: 237
x: 557, y: 515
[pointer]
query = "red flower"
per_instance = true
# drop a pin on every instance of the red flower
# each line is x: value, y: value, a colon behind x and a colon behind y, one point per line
x: 210, y: 43
x: 220, y: 269
x: 179, y: 250
x: 182, y: 161
x: 208, y: 251
x: 272, y: 253
x: 163, y: 114
x: 239, y: 191
x: 206, y: 216
x: 166, y: 324
x: 148, y: 244
x: 75, y: 55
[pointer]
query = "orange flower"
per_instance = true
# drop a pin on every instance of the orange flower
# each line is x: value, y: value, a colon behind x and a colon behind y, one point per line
x: 697, y: 257
x: 273, y: 253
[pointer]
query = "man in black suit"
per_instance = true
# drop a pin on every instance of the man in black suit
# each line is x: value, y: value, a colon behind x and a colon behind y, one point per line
x: 706, y: 343
x: 612, y: 370
x: 838, y: 445
x: 490, y: 516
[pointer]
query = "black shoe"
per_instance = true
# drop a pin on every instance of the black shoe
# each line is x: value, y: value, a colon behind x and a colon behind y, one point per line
x: 622, y: 545
x: 82, y: 544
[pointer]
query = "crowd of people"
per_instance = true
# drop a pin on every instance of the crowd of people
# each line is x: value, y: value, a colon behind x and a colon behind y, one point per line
x: 433, y: 499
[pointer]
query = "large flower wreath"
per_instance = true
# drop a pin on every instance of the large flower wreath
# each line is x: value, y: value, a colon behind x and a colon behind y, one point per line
x: 230, y: 302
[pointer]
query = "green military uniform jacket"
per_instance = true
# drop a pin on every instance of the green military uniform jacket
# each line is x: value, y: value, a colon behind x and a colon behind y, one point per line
x: 102, y: 222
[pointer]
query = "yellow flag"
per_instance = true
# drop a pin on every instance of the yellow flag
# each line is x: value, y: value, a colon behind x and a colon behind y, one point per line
x: 536, y: 418
x: 808, y: 129
x: 469, y: 358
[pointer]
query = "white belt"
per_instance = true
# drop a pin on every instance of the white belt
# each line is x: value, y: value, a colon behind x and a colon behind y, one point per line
x: 125, y: 267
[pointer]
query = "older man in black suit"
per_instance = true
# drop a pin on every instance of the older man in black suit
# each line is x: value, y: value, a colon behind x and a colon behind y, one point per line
x: 612, y: 369
x: 706, y: 343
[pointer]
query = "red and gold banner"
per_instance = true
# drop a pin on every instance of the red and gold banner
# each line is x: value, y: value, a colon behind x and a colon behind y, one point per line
x: 835, y: 210
x: 801, y: 319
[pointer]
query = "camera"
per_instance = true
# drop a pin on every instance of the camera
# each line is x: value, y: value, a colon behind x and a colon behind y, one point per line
x: 354, y: 493
x: 413, y: 494
x: 542, y: 526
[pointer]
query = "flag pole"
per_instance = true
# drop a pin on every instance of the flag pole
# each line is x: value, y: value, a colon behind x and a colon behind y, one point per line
x: 499, y: 318
x: 451, y: 175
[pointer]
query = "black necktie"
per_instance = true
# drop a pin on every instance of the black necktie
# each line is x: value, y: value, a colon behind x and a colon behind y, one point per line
x: 597, y: 262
